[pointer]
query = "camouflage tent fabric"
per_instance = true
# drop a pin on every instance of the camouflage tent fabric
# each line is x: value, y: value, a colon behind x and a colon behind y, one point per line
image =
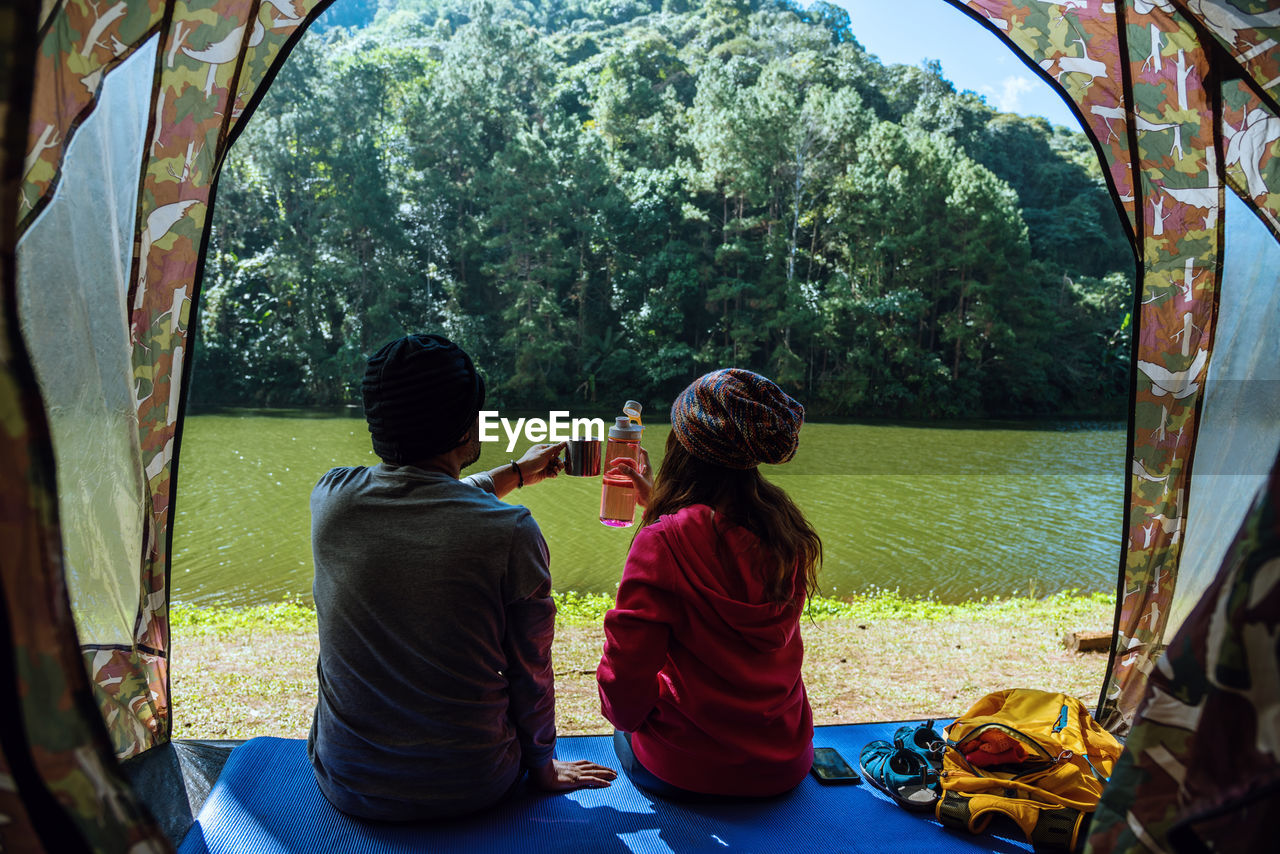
x: 1177, y: 98
x: 213, y: 59
x: 1201, y: 767
x: 60, y: 786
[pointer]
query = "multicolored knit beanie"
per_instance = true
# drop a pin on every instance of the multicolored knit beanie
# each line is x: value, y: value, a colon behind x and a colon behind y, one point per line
x: 737, y: 419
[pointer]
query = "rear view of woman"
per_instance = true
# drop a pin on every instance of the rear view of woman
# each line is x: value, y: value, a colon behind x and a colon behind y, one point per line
x: 701, y: 667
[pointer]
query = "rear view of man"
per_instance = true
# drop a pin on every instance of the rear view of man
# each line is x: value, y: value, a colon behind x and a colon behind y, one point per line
x: 434, y: 606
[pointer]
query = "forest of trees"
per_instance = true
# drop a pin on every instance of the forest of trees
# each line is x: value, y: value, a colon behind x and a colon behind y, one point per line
x: 600, y: 199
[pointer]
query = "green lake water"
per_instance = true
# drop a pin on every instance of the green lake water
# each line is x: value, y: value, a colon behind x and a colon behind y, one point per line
x: 956, y: 512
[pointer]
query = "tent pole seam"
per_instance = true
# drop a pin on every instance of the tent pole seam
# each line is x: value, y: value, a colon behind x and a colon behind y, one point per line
x: 1139, y: 238
x: 47, y: 23
x: 163, y: 31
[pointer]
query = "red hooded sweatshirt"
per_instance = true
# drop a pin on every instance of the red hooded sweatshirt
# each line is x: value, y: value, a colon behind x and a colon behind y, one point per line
x: 701, y: 667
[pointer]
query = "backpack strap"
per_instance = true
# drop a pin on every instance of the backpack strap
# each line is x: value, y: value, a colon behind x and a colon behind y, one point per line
x: 1062, y: 829
x: 1057, y: 831
x: 953, y: 811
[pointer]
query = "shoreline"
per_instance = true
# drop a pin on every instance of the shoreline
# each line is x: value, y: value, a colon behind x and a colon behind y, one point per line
x: 245, y: 672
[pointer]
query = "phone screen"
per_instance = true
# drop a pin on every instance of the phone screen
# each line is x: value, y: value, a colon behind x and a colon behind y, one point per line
x: 829, y: 767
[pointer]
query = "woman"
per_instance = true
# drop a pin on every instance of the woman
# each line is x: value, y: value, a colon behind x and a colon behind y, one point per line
x: 701, y: 665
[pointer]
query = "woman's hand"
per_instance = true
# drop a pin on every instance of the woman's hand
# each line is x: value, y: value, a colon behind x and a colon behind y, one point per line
x: 642, y: 477
x: 541, y: 462
x: 557, y: 776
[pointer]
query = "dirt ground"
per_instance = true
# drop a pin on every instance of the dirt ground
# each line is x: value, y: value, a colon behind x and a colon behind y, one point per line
x: 263, y: 683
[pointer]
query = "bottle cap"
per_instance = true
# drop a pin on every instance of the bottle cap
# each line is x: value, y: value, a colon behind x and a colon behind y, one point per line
x: 623, y: 428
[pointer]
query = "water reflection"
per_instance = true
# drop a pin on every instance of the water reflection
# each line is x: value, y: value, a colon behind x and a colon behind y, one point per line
x: 953, y: 511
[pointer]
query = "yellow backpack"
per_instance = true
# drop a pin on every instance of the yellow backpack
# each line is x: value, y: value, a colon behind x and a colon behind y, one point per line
x: 1038, y: 757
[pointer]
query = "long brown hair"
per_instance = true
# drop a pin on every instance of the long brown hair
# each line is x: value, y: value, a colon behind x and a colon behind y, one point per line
x: 744, y: 498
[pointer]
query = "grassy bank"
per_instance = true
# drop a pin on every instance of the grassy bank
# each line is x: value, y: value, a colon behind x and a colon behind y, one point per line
x: 239, y: 673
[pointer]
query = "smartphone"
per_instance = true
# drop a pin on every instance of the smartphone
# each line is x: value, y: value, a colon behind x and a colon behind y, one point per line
x: 829, y: 767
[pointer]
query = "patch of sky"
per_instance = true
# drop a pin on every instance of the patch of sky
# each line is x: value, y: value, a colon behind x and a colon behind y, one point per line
x: 909, y: 32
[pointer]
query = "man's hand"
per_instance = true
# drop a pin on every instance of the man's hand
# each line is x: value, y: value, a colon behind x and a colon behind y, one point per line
x: 557, y: 776
x: 642, y: 477
x: 541, y: 461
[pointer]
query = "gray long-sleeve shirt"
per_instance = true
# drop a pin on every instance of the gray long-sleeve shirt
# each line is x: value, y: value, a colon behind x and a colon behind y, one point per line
x: 435, y: 616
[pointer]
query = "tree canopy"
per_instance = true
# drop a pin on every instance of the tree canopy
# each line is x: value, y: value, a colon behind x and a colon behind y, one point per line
x: 602, y: 199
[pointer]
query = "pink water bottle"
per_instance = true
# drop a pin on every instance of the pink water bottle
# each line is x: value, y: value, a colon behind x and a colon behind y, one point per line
x: 618, y: 495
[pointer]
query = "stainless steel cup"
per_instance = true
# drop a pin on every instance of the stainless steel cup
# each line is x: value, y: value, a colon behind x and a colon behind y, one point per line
x: 582, y: 458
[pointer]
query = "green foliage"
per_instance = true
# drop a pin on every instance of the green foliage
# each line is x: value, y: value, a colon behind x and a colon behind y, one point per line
x: 588, y: 609
x: 289, y: 615
x: 881, y: 605
x: 581, y: 609
x: 595, y: 195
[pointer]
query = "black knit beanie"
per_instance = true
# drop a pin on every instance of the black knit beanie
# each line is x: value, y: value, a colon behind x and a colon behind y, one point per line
x: 421, y: 394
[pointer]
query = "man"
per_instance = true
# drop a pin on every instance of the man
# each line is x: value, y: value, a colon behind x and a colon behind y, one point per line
x: 434, y: 606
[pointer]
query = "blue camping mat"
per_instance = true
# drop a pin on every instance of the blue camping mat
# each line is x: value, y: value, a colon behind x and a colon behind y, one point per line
x: 266, y: 801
